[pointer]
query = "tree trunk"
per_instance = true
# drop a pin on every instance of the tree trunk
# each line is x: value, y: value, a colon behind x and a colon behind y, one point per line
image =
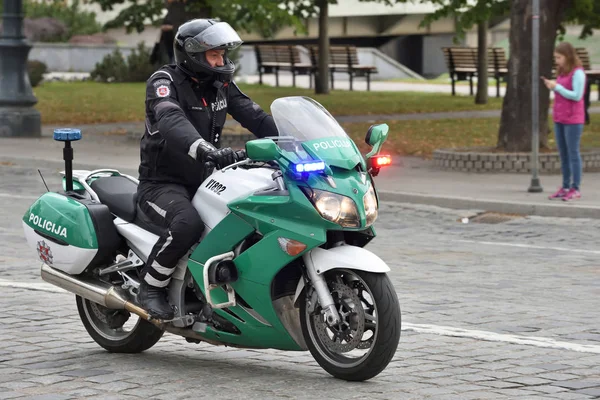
x: 482, y: 64
x: 515, y: 124
x: 322, y: 81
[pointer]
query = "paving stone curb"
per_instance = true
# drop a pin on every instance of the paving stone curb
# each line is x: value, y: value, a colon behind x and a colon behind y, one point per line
x: 478, y: 160
x: 569, y: 210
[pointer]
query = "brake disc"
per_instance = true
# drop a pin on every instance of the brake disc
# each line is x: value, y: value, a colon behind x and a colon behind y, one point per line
x: 348, y: 333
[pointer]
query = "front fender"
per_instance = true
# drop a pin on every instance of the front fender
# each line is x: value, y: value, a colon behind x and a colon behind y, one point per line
x: 346, y: 256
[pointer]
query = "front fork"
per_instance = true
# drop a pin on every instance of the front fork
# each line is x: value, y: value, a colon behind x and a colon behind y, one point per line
x: 325, y: 299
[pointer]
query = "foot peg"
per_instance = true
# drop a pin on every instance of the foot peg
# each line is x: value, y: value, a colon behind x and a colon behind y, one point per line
x: 220, y: 271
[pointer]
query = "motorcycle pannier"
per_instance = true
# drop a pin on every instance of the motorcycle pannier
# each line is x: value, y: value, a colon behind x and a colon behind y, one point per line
x: 71, y: 234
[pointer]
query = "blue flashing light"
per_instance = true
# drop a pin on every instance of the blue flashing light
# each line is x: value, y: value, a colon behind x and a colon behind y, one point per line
x: 314, y: 166
x: 67, y: 134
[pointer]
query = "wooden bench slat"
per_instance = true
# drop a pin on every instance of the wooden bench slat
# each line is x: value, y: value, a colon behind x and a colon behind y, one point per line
x: 344, y: 59
x: 272, y: 58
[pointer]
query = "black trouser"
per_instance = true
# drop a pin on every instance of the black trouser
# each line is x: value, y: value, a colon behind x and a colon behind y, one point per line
x: 169, y: 206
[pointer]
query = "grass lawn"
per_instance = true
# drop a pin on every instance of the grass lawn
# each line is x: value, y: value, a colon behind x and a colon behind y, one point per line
x: 421, y: 138
x: 444, y: 79
x: 91, y: 102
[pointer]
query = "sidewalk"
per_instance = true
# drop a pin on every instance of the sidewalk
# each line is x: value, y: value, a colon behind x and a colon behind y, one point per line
x: 409, y: 180
x: 418, y: 181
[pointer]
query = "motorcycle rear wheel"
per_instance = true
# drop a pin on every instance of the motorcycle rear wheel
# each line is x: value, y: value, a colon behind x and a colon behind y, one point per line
x: 105, y: 327
x: 371, y: 321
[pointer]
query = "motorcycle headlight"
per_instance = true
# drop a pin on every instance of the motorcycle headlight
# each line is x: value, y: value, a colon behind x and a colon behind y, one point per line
x: 370, y: 203
x: 336, y: 208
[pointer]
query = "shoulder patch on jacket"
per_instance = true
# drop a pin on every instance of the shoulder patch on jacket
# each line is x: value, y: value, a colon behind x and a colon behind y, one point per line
x: 159, y: 82
x: 163, y: 91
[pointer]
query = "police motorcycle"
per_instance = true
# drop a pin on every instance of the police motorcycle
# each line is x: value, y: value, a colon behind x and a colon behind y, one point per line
x: 281, y: 264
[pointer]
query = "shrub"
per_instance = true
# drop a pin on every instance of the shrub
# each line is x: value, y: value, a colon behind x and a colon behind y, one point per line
x: 138, y: 64
x: 114, y: 68
x: 77, y: 21
x: 36, y: 70
x: 45, y: 29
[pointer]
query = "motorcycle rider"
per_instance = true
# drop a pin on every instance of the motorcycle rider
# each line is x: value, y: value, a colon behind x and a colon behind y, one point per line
x: 186, y: 107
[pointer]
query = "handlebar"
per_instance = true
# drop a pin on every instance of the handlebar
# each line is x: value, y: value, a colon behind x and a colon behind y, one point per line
x: 238, y: 156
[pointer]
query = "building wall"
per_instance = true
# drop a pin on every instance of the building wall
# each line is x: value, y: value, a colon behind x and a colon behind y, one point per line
x: 434, y: 63
x: 421, y: 53
x: 60, y: 57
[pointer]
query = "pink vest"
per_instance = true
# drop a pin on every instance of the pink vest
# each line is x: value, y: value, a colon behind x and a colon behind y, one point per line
x: 567, y: 111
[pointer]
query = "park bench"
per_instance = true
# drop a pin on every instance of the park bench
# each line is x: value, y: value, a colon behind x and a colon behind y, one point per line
x: 343, y: 59
x: 593, y: 75
x: 462, y: 65
x: 498, y: 63
x: 274, y: 58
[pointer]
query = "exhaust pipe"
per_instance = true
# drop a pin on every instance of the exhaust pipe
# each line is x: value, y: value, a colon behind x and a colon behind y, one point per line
x: 95, y: 291
x: 107, y: 296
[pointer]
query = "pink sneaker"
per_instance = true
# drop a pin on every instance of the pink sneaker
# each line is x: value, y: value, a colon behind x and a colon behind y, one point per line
x: 560, y: 193
x: 572, y: 195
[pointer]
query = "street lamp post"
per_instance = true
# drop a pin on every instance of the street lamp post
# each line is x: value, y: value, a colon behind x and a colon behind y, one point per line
x: 17, y: 115
x: 535, y: 186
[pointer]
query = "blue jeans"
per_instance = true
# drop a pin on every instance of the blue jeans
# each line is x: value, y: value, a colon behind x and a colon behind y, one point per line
x: 568, y: 137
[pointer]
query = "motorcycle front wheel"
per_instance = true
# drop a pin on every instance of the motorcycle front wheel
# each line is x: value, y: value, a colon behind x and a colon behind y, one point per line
x: 366, y: 339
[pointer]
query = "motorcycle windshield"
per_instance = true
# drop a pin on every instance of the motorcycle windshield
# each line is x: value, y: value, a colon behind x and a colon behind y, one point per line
x: 306, y: 127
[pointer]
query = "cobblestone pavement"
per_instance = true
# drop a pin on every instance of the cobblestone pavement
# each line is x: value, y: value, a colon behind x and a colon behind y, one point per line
x: 490, y: 310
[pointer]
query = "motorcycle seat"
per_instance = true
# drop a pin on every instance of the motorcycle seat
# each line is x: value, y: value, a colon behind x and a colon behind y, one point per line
x: 119, y: 194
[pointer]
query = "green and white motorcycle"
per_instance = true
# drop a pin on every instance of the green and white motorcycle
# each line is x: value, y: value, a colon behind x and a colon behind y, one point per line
x: 281, y: 263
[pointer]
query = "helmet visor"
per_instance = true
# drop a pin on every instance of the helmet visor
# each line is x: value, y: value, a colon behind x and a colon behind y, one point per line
x: 220, y: 36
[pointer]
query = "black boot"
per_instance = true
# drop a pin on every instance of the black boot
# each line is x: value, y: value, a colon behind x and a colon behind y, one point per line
x: 154, y: 300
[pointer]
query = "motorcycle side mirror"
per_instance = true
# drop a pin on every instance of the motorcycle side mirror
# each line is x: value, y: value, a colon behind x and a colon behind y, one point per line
x: 262, y: 150
x: 376, y: 136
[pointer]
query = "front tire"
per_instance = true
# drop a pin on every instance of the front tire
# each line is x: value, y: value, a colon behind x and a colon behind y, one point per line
x: 107, y: 328
x: 377, y: 312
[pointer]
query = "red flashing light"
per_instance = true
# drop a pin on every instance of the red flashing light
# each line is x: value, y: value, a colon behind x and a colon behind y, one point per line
x: 383, y: 161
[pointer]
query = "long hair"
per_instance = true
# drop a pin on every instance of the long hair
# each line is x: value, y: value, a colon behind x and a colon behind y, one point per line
x: 567, y: 50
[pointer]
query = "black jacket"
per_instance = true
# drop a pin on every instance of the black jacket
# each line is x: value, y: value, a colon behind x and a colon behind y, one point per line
x: 179, y: 112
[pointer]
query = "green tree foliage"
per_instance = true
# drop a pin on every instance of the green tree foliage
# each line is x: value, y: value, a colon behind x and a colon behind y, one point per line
x: 469, y: 13
x: 264, y: 16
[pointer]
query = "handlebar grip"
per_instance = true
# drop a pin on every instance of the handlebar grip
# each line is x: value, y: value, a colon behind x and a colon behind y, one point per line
x: 240, y: 155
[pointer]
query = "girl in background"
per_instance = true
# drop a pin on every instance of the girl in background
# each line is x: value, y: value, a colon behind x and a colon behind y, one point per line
x: 569, y: 117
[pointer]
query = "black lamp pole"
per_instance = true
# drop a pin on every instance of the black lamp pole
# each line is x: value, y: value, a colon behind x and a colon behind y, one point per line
x: 17, y: 115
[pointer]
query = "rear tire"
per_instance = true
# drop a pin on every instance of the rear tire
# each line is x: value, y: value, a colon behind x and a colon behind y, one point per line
x: 384, y: 337
x: 142, y: 336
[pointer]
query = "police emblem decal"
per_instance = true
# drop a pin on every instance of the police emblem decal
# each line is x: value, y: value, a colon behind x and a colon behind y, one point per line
x: 44, y: 252
x: 163, y: 91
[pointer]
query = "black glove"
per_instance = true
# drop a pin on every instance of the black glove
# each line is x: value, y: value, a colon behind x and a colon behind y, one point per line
x: 220, y: 157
